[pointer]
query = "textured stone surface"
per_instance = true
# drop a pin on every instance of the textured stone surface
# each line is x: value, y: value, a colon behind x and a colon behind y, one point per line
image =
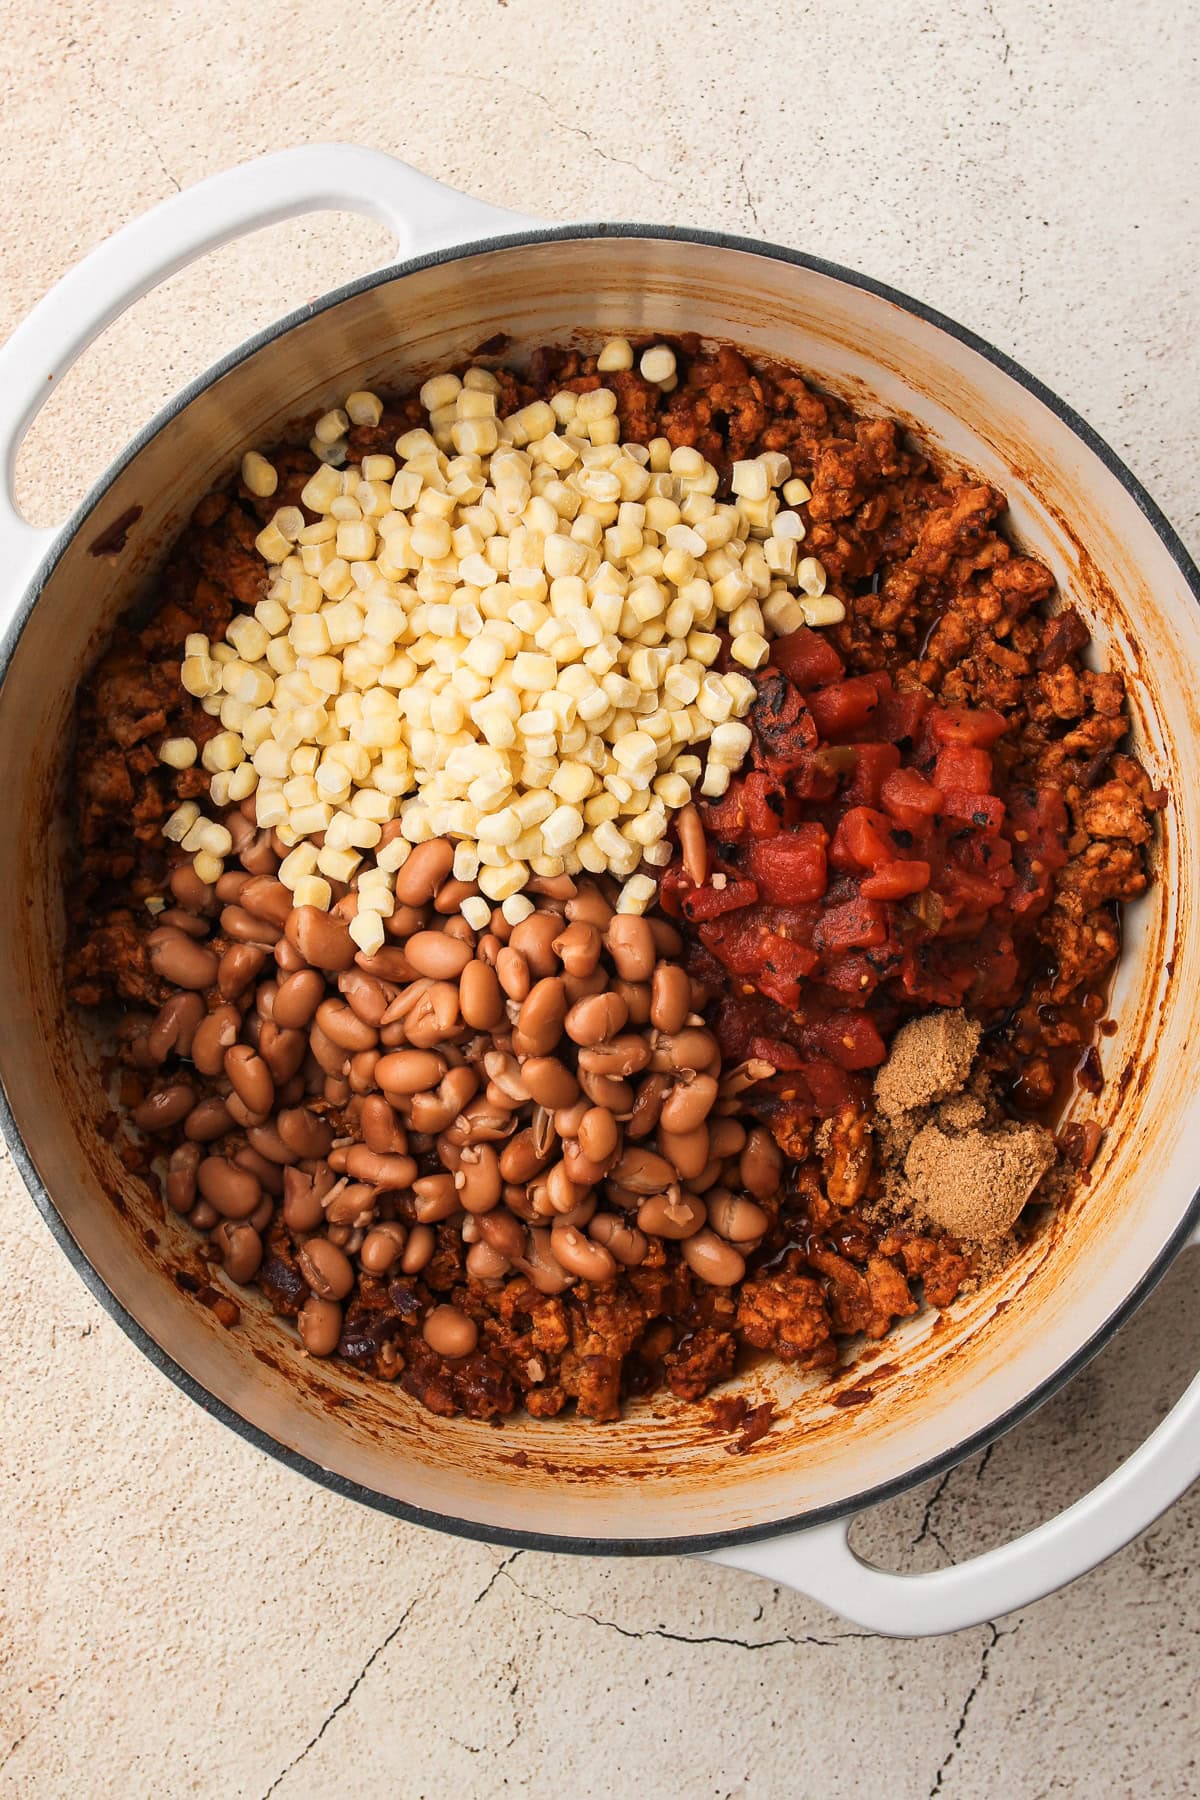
x: 180, y: 1616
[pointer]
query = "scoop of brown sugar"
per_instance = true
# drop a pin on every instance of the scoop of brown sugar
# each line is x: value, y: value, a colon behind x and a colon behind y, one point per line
x: 974, y: 1184
x: 930, y: 1058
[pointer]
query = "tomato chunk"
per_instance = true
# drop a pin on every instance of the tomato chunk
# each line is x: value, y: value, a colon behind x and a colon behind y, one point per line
x: 868, y: 837
x: 807, y: 658
x: 710, y: 901
x: 791, y: 868
x: 909, y: 797
x: 900, y: 716
x: 849, y: 1039
x: 876, y: 762
x: 983, y: 811
x: 855, y: 924
x: 844, y: 707
x: 764, y: 804
x: 960, y: 767
x: 893, y: 880
x: 976, y: 727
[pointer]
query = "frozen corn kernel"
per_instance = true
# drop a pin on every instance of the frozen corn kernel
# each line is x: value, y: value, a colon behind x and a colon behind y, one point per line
x: 258, y: 475
x: 178, y: 752
x: 658, y: 364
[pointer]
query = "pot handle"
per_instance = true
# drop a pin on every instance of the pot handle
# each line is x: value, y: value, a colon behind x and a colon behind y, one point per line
x: 424, y: 214
x: 820, y: 1562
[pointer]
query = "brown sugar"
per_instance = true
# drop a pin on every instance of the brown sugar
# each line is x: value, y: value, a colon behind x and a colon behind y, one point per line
x: 975, y: 1184
x: 930, y: 1059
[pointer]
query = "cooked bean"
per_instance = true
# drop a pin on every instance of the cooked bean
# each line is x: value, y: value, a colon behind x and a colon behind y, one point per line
x: 713, y: 1260
x: 512, y: 972
x: 302, y: 1131
x: 450, y: 1332
x: 480, y: 998
x: 353, y: 1204
x: 534, y: 939
x: 438, y: 955
x: 409, y: 1071
x: 435, y: 1016
x: 326, y: 1269
x: 367, y: 997
x: 435, y: 1197
x: 282, y: 1051
x: 434, y: 1111
x: 673, y: 1216
x: 687, y: 1151
x: 479, y: 1123
x: 486, y: 1264
x: 599, y: 1135
x: 187, y: 922
x: 174, y: 1027
x: 581, y: 987
x: 207, y: 1120
x: 647, y: 1106
x: 238, y: 967
x: 760, y: 1166
x: 671, y: 997
x: 607, y: 1091
x: 267, y: 1173
x: 288, y: 959
x: 302, y: 1209
x: 643, y: 1171
x: 567, y: 1119
x: 247, y: 928
x: 381, y: 1128
x: 630, y: 942
x: 213, y: 1037
x: 578, y: 947
x: 250, y: 1077
x: 323, y: 941
x: 419, y: 1249
x: 428, y: 866
x: 734, y: 1217
x: 580, y: 1168
x: 636, y: 995
x: 619, y: 1056
x: 266, y: 899
x: 382, y: 1170
x: 521, y: 1159
x: 333, y: 1059
x: 691, y: 1048
x: 506, y: 1079
x: 203, y: 1216
x: 477, y: 1179
x: 267, y: 1141
x: 450, y: 897
x: 343, y: 1026
x: 542, y: 1266
x: 320, y: 1326
x: 244, y: 1115
x: 540, y: 1023
x: 388, y: 964
x: 563, y: 1194
x: 193, y: 894
x: 688, y: 1104
x: 181, y: 1177
x: 252, y: 848
x: 549, y: 1081
x: 361, y: 1074
x: 581, y: 1255
x: 503, y: 1233
x: 240, y: 1249
x: 405, y: 1003
x: 180, y: 960
x: 590, y: 906
x: 726, y: 1137
x: 596, y: 1019
x: 622, y: 1240
x: 382, y: 1246
x: 297, y: 999
x: 234, y: 1192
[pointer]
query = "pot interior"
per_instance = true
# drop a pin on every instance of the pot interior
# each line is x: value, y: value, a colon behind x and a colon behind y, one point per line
x: 663, y: 1472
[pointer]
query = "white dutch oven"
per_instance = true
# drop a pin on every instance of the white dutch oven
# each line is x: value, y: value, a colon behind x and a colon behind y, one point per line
x: 661, y: 1480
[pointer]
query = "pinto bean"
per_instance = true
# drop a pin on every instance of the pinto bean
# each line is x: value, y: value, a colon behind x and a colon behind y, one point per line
x: 521, y: 1159
x: 618, y: 1057
x: 671, y: 1215
x: 542, y: 1266
x: 726, y: 1137
x: 419, y: 1249
x: 178, y: 959
x: 477, y: 1179
x: 542, y: 1014
x: 409, y: 1071
x: 760, y: 1167
x: 214, y: 1035
x: 181, y: 920
x: 320, y: 1326
x: 240, y: 1249
x: 513, y: 973
x: 302, y: 1209
x: 382, y: 1246
x: 344, y: 1027
x: 596, y: 1020
x: 450, y: 1332
x: 382, y: 1170
x: 438, y: 955
x: 670, y: 998
x: 238, y: 967
x: 688, y: 1104
x: 207, y: 1120
x: 582, y: 1256
x: 534, y: 939
x: 333, y: 1059
x: 734, y: 1217
x: 366, y: 996
x: 623, y: 1240
x: 643, y: 1171
x: 190, y: 892
x: 630, y: 942
x: 549, y: 1081
x: 686, y: 1150
x: 636, y: 995
x: 435, y: 1197
x: 325, y: 1268
x: 353, y: 1204
x: 250, y: 1077
x: 578, y: 947
x: 181, y: 1177
x: 246, y: 928
x: 232, y: 1191
x: 297, y: 999
x: 266, y: 899
x: 691, y: 1048
x: 480, y: 998
x: 607, y: 1091
x: 428, y: 866
x: 302, y: 1131
x: 713, y: 1260
x: 437, y: 1109
x: 381, y: 1127
x: 268, y: 1174
x: 503, y: 1233
x: 590, y: 906
x: 174, y: 1027
x: 267, y: 1141
x: 282, y: 1051
x: 485, y: 1264
x: 323, y: 941
x: 645, y: 1109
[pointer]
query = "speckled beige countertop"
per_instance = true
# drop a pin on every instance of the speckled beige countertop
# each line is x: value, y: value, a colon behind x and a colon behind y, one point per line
x: 181, y: 1616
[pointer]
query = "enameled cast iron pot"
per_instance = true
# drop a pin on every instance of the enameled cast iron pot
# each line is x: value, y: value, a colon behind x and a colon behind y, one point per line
x: 660, y: 1480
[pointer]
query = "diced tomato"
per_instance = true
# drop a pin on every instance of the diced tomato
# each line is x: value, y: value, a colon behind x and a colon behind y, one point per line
x: 830, y: 1086
x: 844, y: 707
x: 791, y: 868
x: 779, y: 1054
x: 855, y: 924
x: 733, y: 939
x: 978, y: 892
x: 981, y: 810
x: 900, y: 716
x: 893, y: 880
x: 1038, y: 822
x: 784, y: 729
x: 764, y: 804
x: 782, y: 966
x: 910, y: 799
x: 724, y: 820
x: 807, y: 658
x: 868, y: 836
x: 710, y: 901
x: 960, y: 767
x: 851, y: 1040
x: 815, y: 775
x: 851, y: 973
x: 875, y: 763
x: 974, y: 727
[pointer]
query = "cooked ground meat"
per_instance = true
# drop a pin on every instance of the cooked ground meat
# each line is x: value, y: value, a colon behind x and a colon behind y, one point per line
x: 939, y: 600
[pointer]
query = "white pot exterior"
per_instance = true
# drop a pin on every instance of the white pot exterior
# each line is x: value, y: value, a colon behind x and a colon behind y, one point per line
x: 661, y: 1477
